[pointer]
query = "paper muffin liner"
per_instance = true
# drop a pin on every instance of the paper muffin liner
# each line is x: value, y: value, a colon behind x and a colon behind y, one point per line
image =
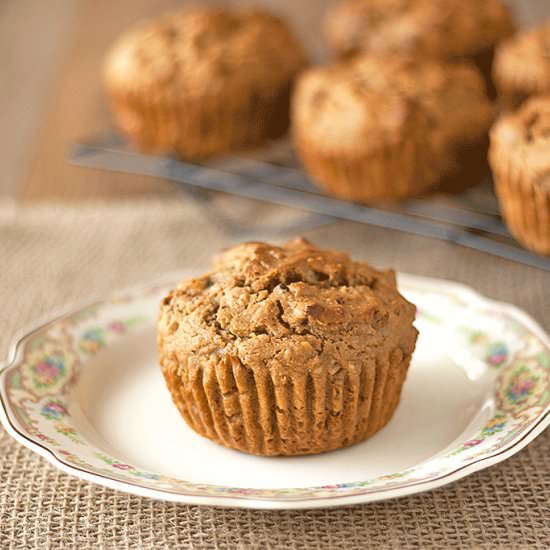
x: 158, y: 121
x: 525, y: 204
x: 396, y: 171
x: 273, y: 412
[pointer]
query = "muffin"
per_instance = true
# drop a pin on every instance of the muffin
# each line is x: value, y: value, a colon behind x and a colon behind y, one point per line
x: 204, y: 81
x: 286, y: 350
x: 520, y: 159
x: 448, y: 29
x: 388, y: 127
x: 522, y: 66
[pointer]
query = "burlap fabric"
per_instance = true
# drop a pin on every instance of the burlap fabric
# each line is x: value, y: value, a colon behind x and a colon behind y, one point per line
x: 52, y: 255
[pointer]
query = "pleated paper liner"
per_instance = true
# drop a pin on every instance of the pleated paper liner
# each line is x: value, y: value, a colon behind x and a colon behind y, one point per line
x: 162, y: 121
x: 393, y: 171
x: 525, y: 204
x: 274, y: 411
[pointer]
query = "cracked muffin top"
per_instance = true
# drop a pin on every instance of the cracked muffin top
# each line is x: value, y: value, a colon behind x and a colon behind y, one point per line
x: 295, y: 305
x: 524, y: 60
x: 370, y: 101
x: 208, y: 47
x: 441, y: 28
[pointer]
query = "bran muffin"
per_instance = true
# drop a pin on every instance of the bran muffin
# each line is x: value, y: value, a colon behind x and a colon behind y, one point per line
x: 286, y: 350
x: 448, y: 29
x: 203, y: 81
x: 522, y: 66
x: 386, y: 128
x: 520, y: 159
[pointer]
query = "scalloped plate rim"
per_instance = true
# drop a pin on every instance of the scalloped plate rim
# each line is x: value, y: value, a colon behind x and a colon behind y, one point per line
x: 238, y: 501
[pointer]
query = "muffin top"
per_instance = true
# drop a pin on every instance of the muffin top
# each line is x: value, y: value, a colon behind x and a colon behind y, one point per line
x: 204, y: 51
x: 439, y: 28
x: 525, y: 58
x: 371, y: 101
x: 522, y: 139
x: 296, y: 305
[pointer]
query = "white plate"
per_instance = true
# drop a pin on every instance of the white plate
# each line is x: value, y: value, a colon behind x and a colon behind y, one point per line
x: 85, y: 391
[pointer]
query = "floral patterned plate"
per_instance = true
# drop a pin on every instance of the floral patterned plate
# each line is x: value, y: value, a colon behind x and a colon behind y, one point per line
x: 85, y: 391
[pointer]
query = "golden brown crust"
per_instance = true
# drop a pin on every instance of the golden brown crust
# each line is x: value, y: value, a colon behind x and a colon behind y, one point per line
x: 437, y: 28
x: 520, y: 159
x: 383, y: 128
x: 286, y: 350
x: 522, y: 66
x: 203, y: 81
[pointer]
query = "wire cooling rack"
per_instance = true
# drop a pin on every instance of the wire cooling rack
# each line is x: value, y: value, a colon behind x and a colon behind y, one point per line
x: 470, y: 219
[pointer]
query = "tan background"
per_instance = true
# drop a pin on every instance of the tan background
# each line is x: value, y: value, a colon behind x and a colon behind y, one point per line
x: 55, y: 253
x: 50, y: 93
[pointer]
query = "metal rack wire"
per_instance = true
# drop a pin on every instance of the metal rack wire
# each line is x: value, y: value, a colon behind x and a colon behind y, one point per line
x: 272, y: 175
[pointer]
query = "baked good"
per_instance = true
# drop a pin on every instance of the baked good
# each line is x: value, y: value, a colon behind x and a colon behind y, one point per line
x: 389, y: 127
x: 520, y: 159
x: 203, y: 81
x: 449, y: 29
x: 522, y: 66
x: 286, y: 350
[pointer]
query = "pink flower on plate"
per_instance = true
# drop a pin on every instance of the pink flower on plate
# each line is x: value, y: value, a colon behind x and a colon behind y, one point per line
x: 497, y: 354
x: 520, y: 389
x: 58, y: 407
x: 53, y: 410
x: 122, y: 466
x: 48, y: 370
x: 498, y: 359
x: 247, y: 491
x: 117, y: 326
x: 473, y: 442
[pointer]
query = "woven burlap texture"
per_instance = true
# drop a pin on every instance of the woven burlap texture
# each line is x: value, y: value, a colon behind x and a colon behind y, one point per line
x: 53, y: 255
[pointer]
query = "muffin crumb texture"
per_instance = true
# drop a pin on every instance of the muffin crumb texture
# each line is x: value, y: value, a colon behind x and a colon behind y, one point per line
x: 286, y: 350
